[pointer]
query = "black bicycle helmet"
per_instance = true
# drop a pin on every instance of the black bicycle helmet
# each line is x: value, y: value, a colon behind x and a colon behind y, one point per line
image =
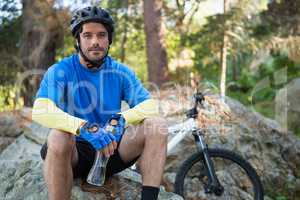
x: 92, y: 14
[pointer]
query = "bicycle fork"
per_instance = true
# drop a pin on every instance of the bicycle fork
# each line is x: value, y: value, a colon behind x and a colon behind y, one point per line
x: 213, y: 185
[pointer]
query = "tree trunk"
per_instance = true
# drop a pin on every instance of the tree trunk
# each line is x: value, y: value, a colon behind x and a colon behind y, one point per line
x: 42, y: 35
x: 124, y: 35
x: 156, y: 52
x: 224, y: 59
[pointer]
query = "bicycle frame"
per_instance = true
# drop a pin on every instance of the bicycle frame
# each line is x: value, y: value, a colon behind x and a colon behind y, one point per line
x: 178, y: 132
x: 213, y: 182
x: 191, y: 126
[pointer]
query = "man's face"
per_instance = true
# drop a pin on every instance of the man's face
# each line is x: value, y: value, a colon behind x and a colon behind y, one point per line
x: 94, y: 41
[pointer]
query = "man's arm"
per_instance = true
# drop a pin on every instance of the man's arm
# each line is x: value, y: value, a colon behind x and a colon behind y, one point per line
x: 138, y: 98
x: 46, y: 113
x: 147, y: 108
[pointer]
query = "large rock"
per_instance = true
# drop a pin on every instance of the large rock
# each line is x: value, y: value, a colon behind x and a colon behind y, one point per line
x: 23, y: 180
x: 21, y: 174
x: 12, y: 124
x: 9, y: 125
x: 288, y: 106
x: 5, y: 141
x: 274, y: 152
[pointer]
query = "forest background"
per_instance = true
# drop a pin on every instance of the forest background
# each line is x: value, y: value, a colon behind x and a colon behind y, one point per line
x: 245, y: 49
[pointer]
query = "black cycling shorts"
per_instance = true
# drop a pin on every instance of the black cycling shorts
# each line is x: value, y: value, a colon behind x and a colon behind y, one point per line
x: 86, y: 155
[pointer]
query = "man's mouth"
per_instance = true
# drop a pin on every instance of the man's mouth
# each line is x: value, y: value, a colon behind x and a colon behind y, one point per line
x: 97, y: 49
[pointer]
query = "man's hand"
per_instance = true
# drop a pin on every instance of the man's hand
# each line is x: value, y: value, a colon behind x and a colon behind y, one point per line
x: 99, y: 138
x: 116, y: 126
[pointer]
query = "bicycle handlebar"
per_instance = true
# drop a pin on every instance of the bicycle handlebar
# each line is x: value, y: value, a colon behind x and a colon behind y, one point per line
x: 198, y: 99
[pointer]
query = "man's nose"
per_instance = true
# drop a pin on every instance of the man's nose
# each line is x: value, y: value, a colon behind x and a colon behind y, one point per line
x: 95, y: 40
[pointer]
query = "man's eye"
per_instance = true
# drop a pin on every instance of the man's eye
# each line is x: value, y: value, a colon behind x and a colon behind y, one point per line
x: 102, y: 35
x: 87, y: 36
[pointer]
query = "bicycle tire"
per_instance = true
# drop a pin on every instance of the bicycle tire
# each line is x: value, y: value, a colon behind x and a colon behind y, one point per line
x: 223, y: 154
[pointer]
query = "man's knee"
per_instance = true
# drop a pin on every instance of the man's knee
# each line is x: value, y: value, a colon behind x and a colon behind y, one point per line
x: 60, y: 142
x: 157, y: 127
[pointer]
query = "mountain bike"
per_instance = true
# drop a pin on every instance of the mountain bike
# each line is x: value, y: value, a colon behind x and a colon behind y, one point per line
x: 212, y: 173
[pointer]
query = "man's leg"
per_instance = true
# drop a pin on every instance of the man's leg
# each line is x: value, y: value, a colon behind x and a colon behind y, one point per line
x: 149, y: 140
x: 61, y: 156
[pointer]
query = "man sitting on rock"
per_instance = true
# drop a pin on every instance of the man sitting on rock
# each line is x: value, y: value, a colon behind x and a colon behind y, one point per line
x: 76, y: 99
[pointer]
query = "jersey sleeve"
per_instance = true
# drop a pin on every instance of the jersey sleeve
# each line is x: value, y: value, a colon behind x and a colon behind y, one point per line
x: 146, y: 109
x: 133, y: 92
x: 46, y: 113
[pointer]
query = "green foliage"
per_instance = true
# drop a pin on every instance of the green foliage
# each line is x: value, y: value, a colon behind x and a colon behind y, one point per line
x: 262, y: 31
x: 172, y: 40
x: 247, y: 37
x: 130, y: 33
x: 67, y: 48
x: 135, y: 55
x: 9, y: 63
x: 281, y: 198
x: 278, y: 70
x: 8, y: 98
x: 250, y: 31
x: 282, y: 17
x: 10, y: 34
x: 10, y: 37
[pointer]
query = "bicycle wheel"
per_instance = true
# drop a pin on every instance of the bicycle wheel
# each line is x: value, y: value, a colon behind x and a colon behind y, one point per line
x: 238, y: 178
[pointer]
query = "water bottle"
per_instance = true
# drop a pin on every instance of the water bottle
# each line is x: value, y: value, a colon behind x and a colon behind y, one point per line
x: 97, y: 173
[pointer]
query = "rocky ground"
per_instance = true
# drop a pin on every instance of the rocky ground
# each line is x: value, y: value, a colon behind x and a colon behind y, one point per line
x: 21, y: 172
x: 274, y: 153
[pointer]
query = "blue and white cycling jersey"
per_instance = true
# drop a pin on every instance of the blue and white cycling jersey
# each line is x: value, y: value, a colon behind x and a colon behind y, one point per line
x: 92, y: 95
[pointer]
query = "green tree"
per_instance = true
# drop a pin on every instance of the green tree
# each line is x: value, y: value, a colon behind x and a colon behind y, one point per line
x: 42, y: 35
x: 10, y: 34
